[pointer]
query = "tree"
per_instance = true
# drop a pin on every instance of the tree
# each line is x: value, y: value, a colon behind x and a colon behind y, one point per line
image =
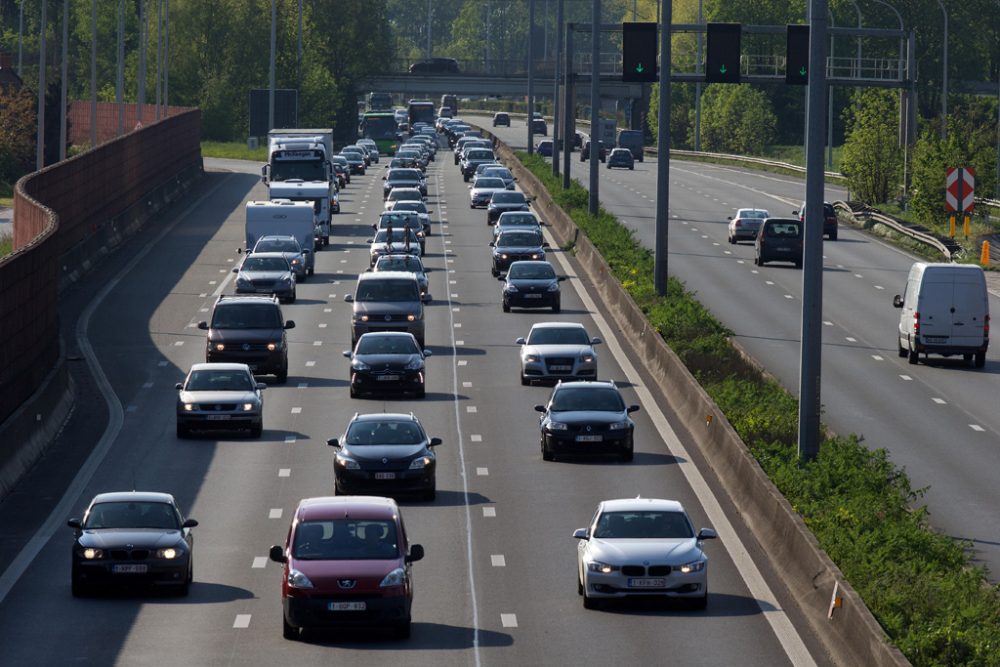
x: 872, y: 159
x: 736, y: 119
x: 17, y: 133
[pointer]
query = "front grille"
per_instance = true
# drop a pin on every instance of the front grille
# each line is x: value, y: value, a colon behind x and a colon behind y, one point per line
x: 659, y: 570
x: 263, y: 284
x: 567, y: 363
x: 246, y: 347
x: 588, y: 429
x: 217, y: 407
x: 125, y: 554
x: 633, y: 570
x: 392, y: 317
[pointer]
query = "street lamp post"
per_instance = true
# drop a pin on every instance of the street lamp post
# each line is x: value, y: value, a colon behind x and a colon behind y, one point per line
x: 274, y: 42
x: 63, y: 84
x: 595, y: 104
x: 556, y: 124
x: 120, y: 79
x: 944, y: 76
x: 40, y: 141
x: 93, y: 73
x: 531, y: 77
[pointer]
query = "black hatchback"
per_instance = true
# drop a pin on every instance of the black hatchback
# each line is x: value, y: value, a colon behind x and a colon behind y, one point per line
x: 586, y: 418
x: 388, y: 361
x: 779, y: 240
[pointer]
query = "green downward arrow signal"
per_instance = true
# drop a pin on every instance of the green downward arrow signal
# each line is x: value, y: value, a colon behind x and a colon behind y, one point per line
x: 802, y: 70
x: 722, y: 70
x: 639, y: 68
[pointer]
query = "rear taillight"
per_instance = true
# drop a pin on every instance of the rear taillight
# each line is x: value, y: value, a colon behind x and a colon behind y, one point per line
x: 986, y: 328
x: 916, y: 323
x: 738, y: 223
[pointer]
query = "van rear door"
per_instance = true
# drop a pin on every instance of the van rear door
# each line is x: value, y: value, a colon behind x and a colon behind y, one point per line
x: 934, y: 305
x: 968, y: 313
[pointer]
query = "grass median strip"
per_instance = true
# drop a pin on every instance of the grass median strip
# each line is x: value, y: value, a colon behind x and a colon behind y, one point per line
x: 920, y: 585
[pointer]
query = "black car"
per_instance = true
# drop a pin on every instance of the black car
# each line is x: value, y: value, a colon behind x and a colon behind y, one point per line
x: 473, y: 158
x: 388, y: 361
x: 621, y: 157
x: 355, y: 161
x: 586, y: 418
x: 538, y: 125
x: 829, y: 219
x: 384, y: 453
x: 585, y: 151
x: 516, y: 245
x: 404, y: 178
x: 132, y: 538
x: 502, y: 202
x: 435, y: 66
x: 249, y: 330
x: 531, y: 285
x: 501, y: 118
x: 779, y: 240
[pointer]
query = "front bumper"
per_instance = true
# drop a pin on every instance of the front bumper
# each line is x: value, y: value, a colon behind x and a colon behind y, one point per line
x: 205, y: 421
x: 315, y: 611
x: 354, y: 482
x: 393, y: 381
x: 612, y: 442
x: 521, y: 299
x: 261, y: 362
x: 674, y: 585
x: 158, y: 572
x: 559, y: 369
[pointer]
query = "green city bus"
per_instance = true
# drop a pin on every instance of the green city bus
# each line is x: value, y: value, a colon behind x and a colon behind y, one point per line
x: 381, y: 127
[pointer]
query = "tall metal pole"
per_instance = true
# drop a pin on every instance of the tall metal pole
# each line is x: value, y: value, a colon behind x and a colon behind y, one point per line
x: 298, y: 59
x: 557, y: 125
x: 661, y: 239
x: 531, y: 77
x: 595, y: 104
x: 20, y: 38
x: 829, y: 111
x: 902, y: 93
x: 429, y: 49
x: 697, y: 85
x: 64, y: 76
x: 40, y: 141
x: 812, y: 274
x: 997, y: 195
x: 944, y: 76
x: 159, y: 56
x: 120, y: 80
x: 569, y: 104
x: 93, y: 73
x: 274, y: 43
x: 141, y: 96
x: 166, y: 57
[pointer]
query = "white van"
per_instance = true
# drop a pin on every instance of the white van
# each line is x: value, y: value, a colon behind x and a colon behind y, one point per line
x: 946, y: 311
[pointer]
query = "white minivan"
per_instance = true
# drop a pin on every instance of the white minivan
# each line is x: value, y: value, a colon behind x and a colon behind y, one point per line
x: 946, y: 311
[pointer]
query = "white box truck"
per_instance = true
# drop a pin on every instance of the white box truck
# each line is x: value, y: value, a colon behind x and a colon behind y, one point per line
x: 945, y: 310
x: 285, y: 218
x: 298, y: 160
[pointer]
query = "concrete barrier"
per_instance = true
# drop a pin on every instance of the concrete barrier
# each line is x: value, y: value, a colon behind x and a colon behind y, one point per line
x: 852, y: 635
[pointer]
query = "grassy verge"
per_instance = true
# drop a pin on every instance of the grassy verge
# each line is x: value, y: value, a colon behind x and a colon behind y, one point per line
x: 233, y: 150
x: 919, y: 584
x: 6, y: 194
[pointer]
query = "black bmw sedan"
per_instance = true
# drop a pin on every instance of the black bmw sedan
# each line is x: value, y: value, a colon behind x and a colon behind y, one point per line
x: 132, y: 538
x: 387, y: 361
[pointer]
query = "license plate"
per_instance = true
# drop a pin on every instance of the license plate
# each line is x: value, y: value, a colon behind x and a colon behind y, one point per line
x: 217, y: 418
x: 385, y: 475
x: 346, y: 606
x: 783, y: 249
x: 387, y: 378
x: 561, y: 367
x: 532, y: 296
x: 589, y: 438
x: 130, y: 569
x: 935, y: 339
x: 647, y: 582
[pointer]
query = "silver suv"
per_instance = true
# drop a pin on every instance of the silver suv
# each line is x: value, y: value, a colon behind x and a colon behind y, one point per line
x: 388, y: 301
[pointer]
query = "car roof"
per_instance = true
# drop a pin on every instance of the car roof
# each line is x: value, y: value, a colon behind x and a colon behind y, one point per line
x: 510, y: 215
x: 342, y: 507
x: 740, y: 211
x: 398, y: 256
x: 277, y: 237
x: 226, y: 299
x: 386, y: 275
x: 641, y: 504
x: 384, y: 416
x: 586, y: 384
x: 388, y: 334
x: 133, y: 496
x: 219, y: 366
x: 557, y: 325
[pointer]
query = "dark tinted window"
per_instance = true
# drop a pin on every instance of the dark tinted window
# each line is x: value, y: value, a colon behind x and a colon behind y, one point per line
x: 587, y: 398
x: 384, y: 433
x: 649, y: 525
x: 519, y: 239
x: 132, y: 515
x: 389, y: 289
x: 277, y: 245
x: 370, y: 344
x: 488, y: 182
x: 558, y: 336
x: 265, y: 264
x: 530, y: 271
x: 783, y: 230
x: 345, y: 539
x: 246, y: 316
x: 509, y: 198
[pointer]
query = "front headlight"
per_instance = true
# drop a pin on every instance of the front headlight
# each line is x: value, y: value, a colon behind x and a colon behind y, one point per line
x: 190, y: 407
x: 298, y: 580
x: 346, y: 463
x: 219, y: 347
x: 360, y: 365
x: 271, y: 347
x: 695, y: 566
x: 504, y: 255
x: 411, y: 317
x: 395, y: 578
x: 415, y: 365
x: 510, y: 288
x: 618, y: 426
x: 287, y: 280
x: 248, y: 407
x: 361, y: 317
x: 603, y: 568
x: 531, y: 358
x: 420, y: 463
x: 554, y: 287
x: 557, y: 426
x: 587, y: 358
x: 243, y: 282
x: 295, y: 262
x: 90, y: 553
x: 537, y: 255
x: 167, y: 554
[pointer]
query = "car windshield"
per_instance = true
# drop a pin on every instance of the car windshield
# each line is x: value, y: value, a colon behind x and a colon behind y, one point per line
x: 345, y: 539
x: 783, y: 230
x: 530, y: 271
x: 411, y: 264
x: 246, y: 316
x: 398, y: 219
x: 265, y: 264
x: 509, y: 198
x: 398, y: 236
x: 643, y: 525
x: 415, y: 206
x: 498, y: 173
x: 369, y: 344
x: 307, y: 170
x: 217, y: 380
x: 388, y: 289
x: 757, y: 213
x: 558, y: 336
x: 406, y: 194
x: 480, y: 154
x: 519, y: 240
x: 387, y: 432
x: 601, y: 399
x: 277, y: 245
x: 518, y: 219
x: 487, y: 183
x: 132, y: 514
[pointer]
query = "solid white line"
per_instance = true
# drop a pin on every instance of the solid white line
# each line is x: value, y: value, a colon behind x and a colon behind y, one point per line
x: 115, y: 416
x: 766, y: 601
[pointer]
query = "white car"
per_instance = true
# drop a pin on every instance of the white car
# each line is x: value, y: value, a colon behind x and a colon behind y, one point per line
x: 482, y: 191
x: 642, y: 547
x: 744, y: 225
x: 558, y: 351
x: 520, y: 219
x: 398, y: 244
x: 402, y: 194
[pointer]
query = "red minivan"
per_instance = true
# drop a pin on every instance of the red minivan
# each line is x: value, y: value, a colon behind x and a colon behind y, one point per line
x: 346, y: 564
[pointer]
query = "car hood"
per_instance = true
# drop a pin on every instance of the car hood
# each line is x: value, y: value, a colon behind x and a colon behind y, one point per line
x: 557, y: 350
x: 248, y: 335
x: 518, y: 248
x: 324, y: 573
x: 217, y: 396
x: 264, y: 275
x: 511, y: 206
x: 479, y: 192
x: 385, y: 307
x: 380, y: 361
x: 635, y: 551
x: 373, y: 453
x: 521, y: 283
x: 148, y: 538
x: 589, y: 416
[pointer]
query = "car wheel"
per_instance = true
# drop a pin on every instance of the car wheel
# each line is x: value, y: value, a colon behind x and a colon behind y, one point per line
x: 631, y: 168
x: 902, y: 350
x: 557, y: 306
x: 465, y: 177
x: 289, y: 631
x: 282, y: 375
x: 980, y: 359
x: 833, y: 237
x: 422, y: 391
x: 579, y: 584
x: 403, y: 630
x: 589, y: 602
x: 183, y: 590
x: 78, y: 589
x: 912, y: 356
x: 353, y: 392
x: 257, y: 430
x: 183, y: 431
x: 525, y: 382
x: 430, y: 495
x: 505, y: 306
x: 967, y: 358
x: 628, y: 454
x: 294, y: 296
x: 701, y: 603
x: 547, y: 454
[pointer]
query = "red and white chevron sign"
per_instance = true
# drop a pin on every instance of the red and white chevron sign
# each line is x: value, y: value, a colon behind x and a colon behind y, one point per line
x: 960, y: 185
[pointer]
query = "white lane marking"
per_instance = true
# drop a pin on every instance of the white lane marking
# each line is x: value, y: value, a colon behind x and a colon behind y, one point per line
x: 879, y: 287
x: 275, y: 513
x: 296, y: 411
x: 213, y: 282
x: 483, y: 472
x: 939, y: 401
x: 489, y: 512
x: 858, y: 275
x: 463, y: 362
x: 789, y: 296
x: 768, y: 282
x: 178, y: 343
x: 290, y: 439
x: 827, y: 323
x: 877, y: 357
x: 310, y: 364
x: 497, y: 560
x: 905, y: 377
x: 768, y: 604
x: 977, y: 428
x: 458, y: 325
x: 454, y: 296
x: 259, y: 562
x: 242, y: 621
x: 322, y: 325
x: 508, y: 620
x: 284, y: 472
x: 317, y: 343
x: 471, y: 408
x: 328, y: 310
x: 456, y: 309
x: 849, y: 339
x: 116, y: 418
x: 459, y: 342
x: 475, y: 437
x: 466, y: 384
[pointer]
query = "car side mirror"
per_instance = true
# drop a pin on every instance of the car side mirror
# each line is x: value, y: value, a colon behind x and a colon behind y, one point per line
x: 581, y: 534
x: 539, y: 408
x: 383, y: 178
x: 203, y: 325
x: 897, y: 301
x: 729, y: 217
x: 434, y: 442
x: 795, y: 212
x: 520, y: 341
x: 429, y: 212
x: 347, y: 353
x: 236, y: 269
x: 596, y: 341
x: 493, y: 244
x: 277, y: 554
x: 261, y: 386
x: 428, y: 353
x: 416, y: 553
x: 426, y: 298
x: 632, y: 408
x: 73, y: 523
x: 306, y: 251
x: 561, y: 278
x: 707, y: 534
x: 369, y: 240
x: 375, y: 227
x: 289, y: 324
x: 333, y: 442
x: 349, y: 298
x: 502, y: 278
x: 189, y: 523
x: 240, y: 251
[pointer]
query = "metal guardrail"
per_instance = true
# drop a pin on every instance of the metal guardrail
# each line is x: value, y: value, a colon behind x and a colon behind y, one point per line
x: 949, y: 250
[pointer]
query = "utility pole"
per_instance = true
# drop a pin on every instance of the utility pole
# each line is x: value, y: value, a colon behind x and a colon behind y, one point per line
x: 40, y: 141
x: 569, y: 104
x: 944, y: 76
x: 556, y: 124
x: 274, y: 42
x: 63, y: 84
x: 93, y: 73
x: 166, y: 57
x: 429, y: 48
x: 531, y: 77
x: 120, y: 82
x: 697, y: 86
x: 141, y: 97
x: 159, y: 55
x: 595, y: 103
x: 661, y: 239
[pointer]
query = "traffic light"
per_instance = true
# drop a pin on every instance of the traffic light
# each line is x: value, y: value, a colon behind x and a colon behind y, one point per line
x: 639, y: 50
x: 797, y: 55
x: 722, y: 63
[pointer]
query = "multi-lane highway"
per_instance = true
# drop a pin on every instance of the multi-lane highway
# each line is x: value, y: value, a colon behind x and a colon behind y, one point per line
x: 498, y: 583
x: 939, y: 420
